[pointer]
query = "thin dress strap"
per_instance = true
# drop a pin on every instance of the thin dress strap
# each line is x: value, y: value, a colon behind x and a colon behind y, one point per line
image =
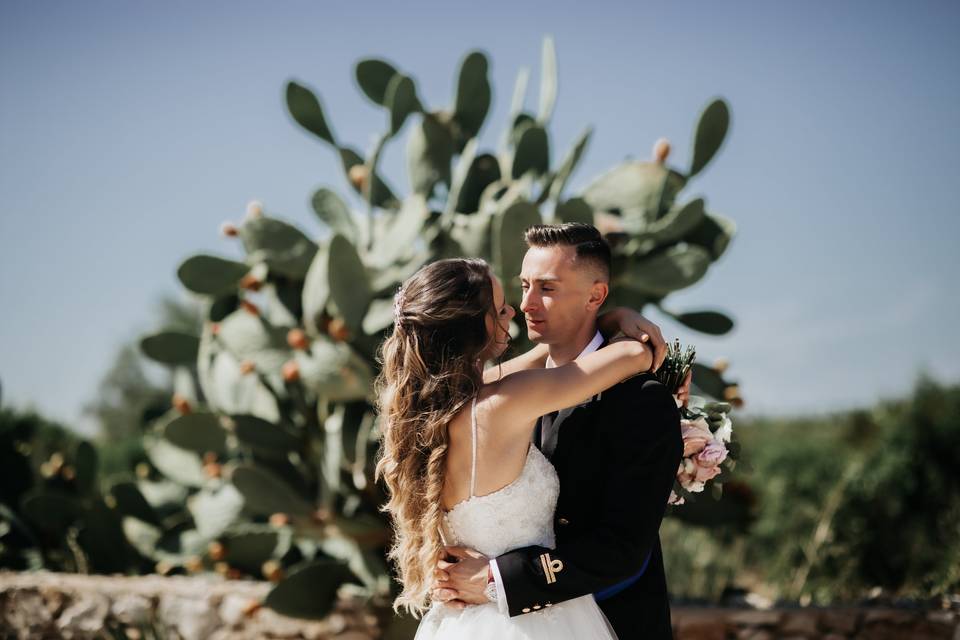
x: 473, y: 442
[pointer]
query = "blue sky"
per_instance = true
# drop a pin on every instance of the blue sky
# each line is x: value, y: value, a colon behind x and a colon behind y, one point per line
x: 130, y: 130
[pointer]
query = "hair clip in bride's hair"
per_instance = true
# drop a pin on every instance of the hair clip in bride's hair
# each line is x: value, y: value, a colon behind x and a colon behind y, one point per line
x: 398, y: 300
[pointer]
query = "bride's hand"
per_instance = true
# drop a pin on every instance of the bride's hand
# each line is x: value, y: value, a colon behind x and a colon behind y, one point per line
x: 633, y: 325
x: 463, y: 580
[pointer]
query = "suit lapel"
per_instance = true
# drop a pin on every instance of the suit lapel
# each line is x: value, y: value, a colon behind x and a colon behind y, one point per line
x: 549, y: 435
x: 550, y: 429
x: 570, y: 419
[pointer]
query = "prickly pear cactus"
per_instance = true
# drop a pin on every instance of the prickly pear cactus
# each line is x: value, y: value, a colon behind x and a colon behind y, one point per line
x: 271, y: 448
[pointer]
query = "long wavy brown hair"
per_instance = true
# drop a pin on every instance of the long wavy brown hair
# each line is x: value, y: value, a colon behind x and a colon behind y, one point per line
x: 430, y: 369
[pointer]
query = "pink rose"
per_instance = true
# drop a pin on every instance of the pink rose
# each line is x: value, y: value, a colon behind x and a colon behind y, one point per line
x: 707, y: 473
x: 696, y: 435
x: 711, y: 455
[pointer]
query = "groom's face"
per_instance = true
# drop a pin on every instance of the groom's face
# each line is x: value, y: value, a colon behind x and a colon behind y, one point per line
x: 558, y: 294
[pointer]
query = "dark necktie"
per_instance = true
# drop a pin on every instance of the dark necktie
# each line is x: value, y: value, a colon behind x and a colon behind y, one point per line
x: 549, y: 431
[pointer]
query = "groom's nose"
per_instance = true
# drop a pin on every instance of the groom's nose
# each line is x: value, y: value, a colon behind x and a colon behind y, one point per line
x: 528, y: 301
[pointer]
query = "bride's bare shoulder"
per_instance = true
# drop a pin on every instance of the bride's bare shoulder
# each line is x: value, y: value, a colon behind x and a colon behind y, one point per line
x: 493, y: 394
x: 498, y: 404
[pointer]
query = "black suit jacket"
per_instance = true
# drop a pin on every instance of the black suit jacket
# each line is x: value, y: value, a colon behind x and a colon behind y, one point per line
x: 617, y: 458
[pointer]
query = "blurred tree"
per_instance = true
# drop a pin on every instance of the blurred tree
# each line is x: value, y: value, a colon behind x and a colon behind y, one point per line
x: 899, y: 526
x: 127, y: 398
x: 31, y: 456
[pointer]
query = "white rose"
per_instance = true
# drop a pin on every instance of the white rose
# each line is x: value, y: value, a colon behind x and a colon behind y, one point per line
x: 725, y: 431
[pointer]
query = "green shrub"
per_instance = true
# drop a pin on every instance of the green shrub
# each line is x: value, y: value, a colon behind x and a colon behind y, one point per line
x: 843, y: 504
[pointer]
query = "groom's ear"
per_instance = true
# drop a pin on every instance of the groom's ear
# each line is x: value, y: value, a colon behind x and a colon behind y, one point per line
x: 598, y: 295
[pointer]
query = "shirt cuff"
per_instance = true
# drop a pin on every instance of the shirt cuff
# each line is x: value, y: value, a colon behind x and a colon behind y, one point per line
x: 501, y: 592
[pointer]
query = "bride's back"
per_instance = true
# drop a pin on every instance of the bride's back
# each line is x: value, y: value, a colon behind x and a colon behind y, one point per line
x: 496, y: 497
x: 499, y: 461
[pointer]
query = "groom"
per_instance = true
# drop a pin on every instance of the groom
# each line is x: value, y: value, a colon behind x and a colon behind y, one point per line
x: 616, y: 456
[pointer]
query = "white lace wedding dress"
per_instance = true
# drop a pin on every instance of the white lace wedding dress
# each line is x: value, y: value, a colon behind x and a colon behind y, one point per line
x: 518, y: 515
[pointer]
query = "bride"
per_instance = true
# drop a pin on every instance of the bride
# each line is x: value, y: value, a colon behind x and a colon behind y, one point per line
x: 456, y: 453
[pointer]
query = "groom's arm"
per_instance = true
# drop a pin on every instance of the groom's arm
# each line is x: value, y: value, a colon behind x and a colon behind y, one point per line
x: 643, y: 427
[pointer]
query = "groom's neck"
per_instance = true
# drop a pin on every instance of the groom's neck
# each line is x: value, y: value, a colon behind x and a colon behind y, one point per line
x: 566, y: 351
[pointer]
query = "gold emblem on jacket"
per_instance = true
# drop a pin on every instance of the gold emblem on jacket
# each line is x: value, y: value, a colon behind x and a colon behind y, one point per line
x: 551, y: 567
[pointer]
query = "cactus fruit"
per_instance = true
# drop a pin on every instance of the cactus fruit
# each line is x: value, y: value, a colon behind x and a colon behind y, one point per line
x: 291, y: 371
x: 272, y: 571
x: 216, y: 551
x: 297, y: 339
x: 661, y: 150
x: 337, y: 330
x: 181, y: 404
x: 229, y: 230
x: 254, y: 209
x: 250, y: 282
x: 358, y: 176
x: 193, y: 564
x: 732, y: 395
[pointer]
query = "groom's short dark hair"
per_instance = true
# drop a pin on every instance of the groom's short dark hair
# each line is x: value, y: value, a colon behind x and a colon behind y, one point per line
x: 590, y: 246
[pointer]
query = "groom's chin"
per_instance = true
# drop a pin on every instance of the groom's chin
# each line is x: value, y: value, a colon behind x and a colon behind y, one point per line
x: 534, y: 336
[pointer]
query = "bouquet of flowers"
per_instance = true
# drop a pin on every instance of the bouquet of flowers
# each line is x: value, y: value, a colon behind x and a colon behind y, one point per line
x: 706, y: 428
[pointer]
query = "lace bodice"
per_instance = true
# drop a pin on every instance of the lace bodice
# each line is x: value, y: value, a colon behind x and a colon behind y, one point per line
x: 517, y: 515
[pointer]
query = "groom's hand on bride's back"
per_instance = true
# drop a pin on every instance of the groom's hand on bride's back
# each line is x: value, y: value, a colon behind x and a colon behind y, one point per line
x: 461, y: 577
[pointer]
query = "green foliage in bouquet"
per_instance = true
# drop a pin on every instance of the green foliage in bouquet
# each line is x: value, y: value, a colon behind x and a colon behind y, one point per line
x: 676, y: 366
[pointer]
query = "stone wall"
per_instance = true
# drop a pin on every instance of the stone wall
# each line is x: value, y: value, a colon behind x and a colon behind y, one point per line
x: 58, y: 605
x: 867, y: 623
